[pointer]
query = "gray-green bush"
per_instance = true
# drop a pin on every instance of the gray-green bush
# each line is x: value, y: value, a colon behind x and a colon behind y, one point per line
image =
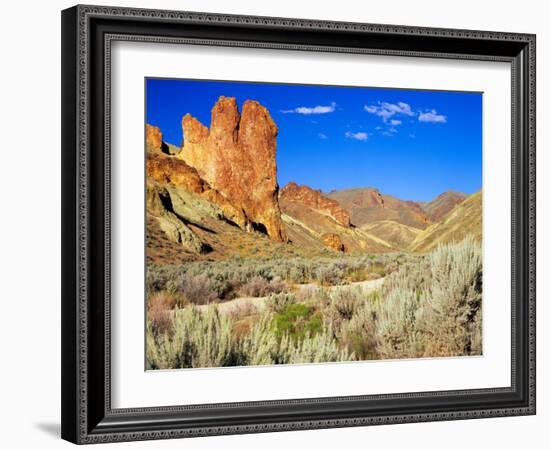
x: 205, y: 339
x: 227, y: 276
x: 432, y: 309
x: 430, y: 306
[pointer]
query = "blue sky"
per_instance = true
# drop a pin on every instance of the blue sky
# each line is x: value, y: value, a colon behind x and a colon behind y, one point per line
x: 409, y: 143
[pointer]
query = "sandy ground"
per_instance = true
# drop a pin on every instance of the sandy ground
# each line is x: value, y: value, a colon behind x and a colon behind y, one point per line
x: 258, y: 303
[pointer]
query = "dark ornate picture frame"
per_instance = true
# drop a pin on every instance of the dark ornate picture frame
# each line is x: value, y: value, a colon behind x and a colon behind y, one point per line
x: 87, y: 34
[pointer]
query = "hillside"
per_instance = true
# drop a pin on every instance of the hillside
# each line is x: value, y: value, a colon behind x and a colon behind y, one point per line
x: 464, y: 219
x: 396, y: 234
x: 367, y: 205
x: 442, y: 204
x: 308, y: 227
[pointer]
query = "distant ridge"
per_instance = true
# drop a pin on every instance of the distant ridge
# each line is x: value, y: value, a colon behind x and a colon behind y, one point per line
x: 367, y: 205
x: 442, y: 204
x: 464, y: 219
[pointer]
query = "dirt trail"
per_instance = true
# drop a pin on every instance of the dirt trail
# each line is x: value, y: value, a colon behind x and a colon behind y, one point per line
x: 258, y: 303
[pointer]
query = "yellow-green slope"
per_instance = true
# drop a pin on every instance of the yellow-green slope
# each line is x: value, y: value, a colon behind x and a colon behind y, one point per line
x: 462, y: 220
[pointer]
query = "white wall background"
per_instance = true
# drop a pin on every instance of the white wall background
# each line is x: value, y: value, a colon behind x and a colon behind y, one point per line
x: 30, y: 223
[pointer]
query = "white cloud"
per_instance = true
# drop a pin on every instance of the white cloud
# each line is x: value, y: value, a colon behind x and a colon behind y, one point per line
x: 389, y: 132
x: 386, y: 110
x: 371, y: 109
x: 360, y: 135
x: 322, y: 136
x: 307, y: 110
x: 432, y: 117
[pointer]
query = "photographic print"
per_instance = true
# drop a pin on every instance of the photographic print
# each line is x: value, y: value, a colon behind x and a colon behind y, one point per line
x: 294, y: 224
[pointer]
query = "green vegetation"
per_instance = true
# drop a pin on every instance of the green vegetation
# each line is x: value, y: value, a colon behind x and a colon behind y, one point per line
x: 427, y: 306
x: 297, y: 321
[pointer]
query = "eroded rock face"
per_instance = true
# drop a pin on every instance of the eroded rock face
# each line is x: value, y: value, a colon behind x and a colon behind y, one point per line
x: 159, y: 206
x: 236, y: 157
x: 153, y: 138
x: 333, y: 241
x: 169, y: 170
x: 315, y: 200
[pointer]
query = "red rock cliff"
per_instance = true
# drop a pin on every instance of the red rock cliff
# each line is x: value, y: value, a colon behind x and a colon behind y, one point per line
x: 237, y: 158
x: 315, y: 200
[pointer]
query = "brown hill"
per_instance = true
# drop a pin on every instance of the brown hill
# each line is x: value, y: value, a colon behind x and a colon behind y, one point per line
x: 315, y: 200
x: 464, y: 219
x: 366, y: 205
x: 442, y: 204
x: 308, y: 227
x: 398, y: 235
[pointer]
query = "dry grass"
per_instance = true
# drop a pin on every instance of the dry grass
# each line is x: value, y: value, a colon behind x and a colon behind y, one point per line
x: 159, y: 311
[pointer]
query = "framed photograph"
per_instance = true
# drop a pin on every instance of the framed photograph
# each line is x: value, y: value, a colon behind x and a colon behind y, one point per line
x: 280, y: 224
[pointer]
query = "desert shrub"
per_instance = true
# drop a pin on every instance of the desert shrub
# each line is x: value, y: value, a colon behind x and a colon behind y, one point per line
x: 377, y: 269
x: 358, y: 333
x: 345, y: 301
x: 207, y: 339
x: 277, y: 303
x: 329, y: 275
x: 342, y: 304
x: 391, y: 267
x: 197, y: 289
x: 260, y: 287
x: 316, y: 296
x: 433, y: 309
x: 321, y: 347
x: 243, y: 310
x: 263, y: 347
x: 159, y: 311
x: 297, y: 320
x: 396, y: 325
x: 454, y: 308
x: 358, y: 274
x: 162, y: 299
x: 227, y: 275
x: 199, y: 339
x: 156, y: 278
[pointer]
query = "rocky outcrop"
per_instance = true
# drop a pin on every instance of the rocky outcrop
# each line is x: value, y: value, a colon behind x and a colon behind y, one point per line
x: 315, y: 200
x: 153, y: 138
x: 167, y: 170
x: 236, y: 157
x: 159, y: 206
x: 333, y: 241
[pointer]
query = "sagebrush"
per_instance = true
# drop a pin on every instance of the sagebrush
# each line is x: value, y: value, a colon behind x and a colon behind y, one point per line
x: 427, y: 306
